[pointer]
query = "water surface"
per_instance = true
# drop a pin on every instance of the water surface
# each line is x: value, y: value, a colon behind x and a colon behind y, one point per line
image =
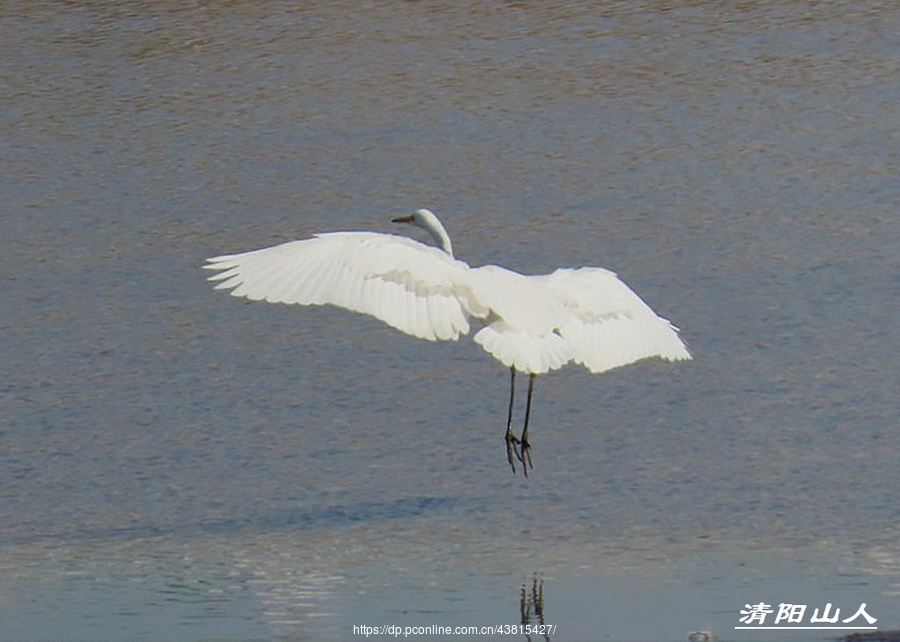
x: 180, y: 465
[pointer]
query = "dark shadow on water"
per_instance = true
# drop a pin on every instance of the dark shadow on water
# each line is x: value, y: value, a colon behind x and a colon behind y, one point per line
x: 875, y: 636
x: 343, y: 515
x: 258, y: 520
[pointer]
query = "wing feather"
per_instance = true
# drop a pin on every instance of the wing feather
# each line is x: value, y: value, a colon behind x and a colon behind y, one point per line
x: 415, y: 288
x: 609, y: 325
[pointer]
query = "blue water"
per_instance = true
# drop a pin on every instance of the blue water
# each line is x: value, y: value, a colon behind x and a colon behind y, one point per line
x: 177, y: 464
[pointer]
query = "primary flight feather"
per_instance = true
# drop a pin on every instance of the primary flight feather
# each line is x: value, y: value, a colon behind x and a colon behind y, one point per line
x: 531, y: 324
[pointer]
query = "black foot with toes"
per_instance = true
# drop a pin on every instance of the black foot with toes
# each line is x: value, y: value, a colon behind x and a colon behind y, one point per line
x: 521, y: 449
x: 512, y: 446
x: 525, y: 454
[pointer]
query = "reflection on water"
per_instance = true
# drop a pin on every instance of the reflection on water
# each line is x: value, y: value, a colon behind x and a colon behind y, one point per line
x: 533, y: 601
x: 292, y: 596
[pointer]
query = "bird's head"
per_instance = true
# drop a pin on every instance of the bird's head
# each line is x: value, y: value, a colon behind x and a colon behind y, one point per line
x: 421, y: 218
x: 428, y: 221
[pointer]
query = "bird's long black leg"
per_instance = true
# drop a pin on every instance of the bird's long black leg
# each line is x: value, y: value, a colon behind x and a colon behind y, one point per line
x: 525, y: 456
x: 511, y: 441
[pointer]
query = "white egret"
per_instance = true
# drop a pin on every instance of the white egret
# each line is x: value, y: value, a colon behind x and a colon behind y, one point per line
x: 530, y: 324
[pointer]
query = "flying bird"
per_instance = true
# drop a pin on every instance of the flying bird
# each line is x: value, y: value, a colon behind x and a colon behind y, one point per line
x: 531, y: 324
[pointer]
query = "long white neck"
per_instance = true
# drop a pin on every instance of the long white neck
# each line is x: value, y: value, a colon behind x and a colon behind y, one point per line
x: 428, y: 221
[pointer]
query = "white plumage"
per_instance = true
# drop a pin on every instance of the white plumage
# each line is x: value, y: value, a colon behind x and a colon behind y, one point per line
x: 529, y: 323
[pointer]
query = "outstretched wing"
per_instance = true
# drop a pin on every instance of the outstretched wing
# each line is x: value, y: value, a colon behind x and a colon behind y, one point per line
x: 608, y: 324
x: 413, y: 287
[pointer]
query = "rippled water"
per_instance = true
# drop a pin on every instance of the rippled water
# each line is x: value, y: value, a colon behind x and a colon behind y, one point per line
x: 176, y: 464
